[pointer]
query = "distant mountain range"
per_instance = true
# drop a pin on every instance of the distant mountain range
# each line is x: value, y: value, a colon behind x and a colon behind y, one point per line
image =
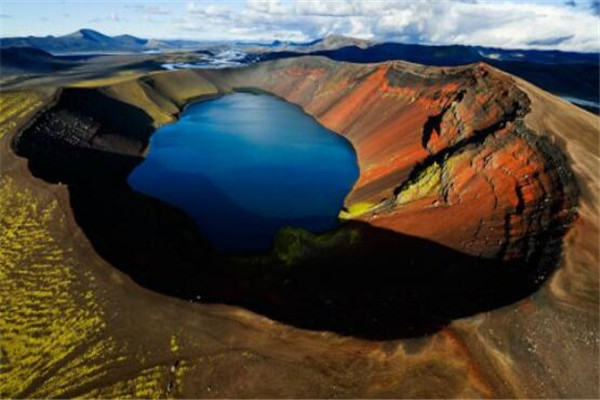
x: 330, y: 42
x: 88, y: 40
x: 572, y: 75
x: 334, y: 46
x: 435, y: 55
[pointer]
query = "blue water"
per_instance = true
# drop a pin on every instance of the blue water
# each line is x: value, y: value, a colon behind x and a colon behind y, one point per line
x: 245, y: 165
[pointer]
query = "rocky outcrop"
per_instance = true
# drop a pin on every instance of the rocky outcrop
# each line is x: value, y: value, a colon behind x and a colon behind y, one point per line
x: 433, y: 144
x: 444, y: 155
x: 443, y: 152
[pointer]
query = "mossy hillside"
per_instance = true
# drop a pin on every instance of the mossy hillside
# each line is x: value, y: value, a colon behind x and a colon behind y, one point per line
x: 293, y: 245
x: 138, y: 95
x: 181, y: 86
x: 109, y: 80
x: 45, y: 323
x: 427, y: 183
x: 16, y: 107
x: 54, y: 331
x: 356, y: 209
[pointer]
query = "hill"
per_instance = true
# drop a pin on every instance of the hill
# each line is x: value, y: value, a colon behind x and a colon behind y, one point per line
x: 569, y: 74
x: 476, y: 211
x: 17, y: 60
x: 83, y: 40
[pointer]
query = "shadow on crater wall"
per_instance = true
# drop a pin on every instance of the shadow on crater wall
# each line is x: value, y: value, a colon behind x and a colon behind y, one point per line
x: 357, y: 280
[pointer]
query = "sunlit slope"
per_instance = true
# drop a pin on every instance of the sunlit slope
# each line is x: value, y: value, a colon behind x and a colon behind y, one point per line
x: 501, y: 170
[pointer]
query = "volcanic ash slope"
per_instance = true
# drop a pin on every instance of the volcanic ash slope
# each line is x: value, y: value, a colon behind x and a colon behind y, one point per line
x: 468, y: 157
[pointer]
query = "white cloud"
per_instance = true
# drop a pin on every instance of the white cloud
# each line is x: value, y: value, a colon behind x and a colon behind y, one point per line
x: 155, y: 10
x: 509, y: 24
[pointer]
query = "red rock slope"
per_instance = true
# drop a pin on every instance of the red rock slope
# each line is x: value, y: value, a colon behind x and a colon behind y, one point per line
x: 465, y: 156
x: 443, y: 152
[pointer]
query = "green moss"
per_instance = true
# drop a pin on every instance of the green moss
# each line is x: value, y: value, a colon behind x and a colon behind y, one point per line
x: 427, y: 183
x: 356, y: 209
x: 49, y: 311
x: 17, y: 107
x: 182, y: 86
x: 53, y: 330
x: 112, y: 79
x: 133, y: 93
x: 292, y: 245
x: 173, y: 344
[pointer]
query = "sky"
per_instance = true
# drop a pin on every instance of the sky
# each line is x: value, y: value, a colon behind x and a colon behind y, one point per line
x: 549, y: 24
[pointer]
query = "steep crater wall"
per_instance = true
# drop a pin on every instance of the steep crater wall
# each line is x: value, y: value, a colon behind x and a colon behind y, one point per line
x: 437, y: 144
x: 459, y: 207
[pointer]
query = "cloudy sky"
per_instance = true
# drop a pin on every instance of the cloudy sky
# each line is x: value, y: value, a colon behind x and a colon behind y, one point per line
x: 547, y: 24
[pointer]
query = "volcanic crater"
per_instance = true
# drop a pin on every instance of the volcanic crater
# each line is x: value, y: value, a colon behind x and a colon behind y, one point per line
x: 460, y: 207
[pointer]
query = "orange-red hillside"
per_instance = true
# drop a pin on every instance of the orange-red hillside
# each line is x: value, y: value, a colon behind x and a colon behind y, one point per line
x: 468, y: 157
x: 443, y: 152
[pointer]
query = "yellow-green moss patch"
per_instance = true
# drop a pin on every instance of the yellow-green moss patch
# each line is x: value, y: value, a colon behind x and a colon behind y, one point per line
x: 16, y: 107
x: 106, y: 81
x: 46, y: 321
x: 133, y: 93
x: 427, y: 183
x: 356, y: 209
x: 292, y: 245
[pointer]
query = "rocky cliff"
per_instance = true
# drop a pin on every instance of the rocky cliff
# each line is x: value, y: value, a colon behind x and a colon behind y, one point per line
x: 437, y: 144
x: 469, y: 181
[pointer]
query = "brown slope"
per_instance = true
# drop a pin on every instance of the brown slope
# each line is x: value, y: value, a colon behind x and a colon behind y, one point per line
x: 437, y: 144
x: 156, y: 346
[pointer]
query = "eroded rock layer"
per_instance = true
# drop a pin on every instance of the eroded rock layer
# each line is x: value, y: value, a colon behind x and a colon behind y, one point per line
x: 433, y: 145
x: 443, y: 153
x: 465, y: 158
